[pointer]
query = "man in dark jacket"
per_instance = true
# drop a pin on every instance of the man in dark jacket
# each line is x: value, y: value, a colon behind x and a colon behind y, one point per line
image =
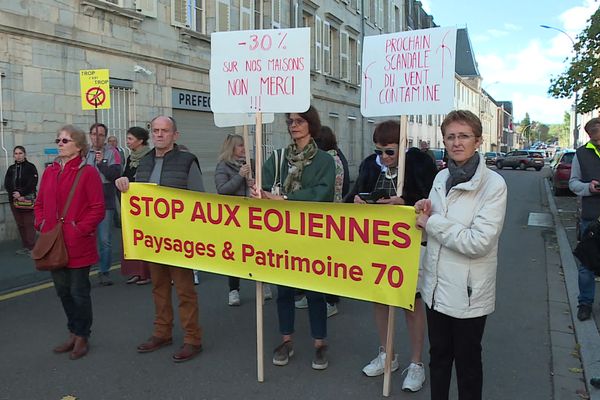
x: 166, y: 165
x: 108, y: 163
x: 585, y: 183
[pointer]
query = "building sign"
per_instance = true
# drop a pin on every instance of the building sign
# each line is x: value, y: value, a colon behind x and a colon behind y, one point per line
x: 190, y: 100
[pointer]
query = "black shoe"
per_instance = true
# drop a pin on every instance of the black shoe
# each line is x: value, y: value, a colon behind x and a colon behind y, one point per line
x: 584, y: 312
x: 104, y: 279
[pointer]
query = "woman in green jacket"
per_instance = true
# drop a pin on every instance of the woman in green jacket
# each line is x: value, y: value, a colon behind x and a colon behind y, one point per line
x: 300, y: 172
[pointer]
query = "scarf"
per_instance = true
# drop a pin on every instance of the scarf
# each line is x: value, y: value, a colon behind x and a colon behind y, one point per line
x: 136, y: 155
x: 297, y: 161
x: 463, y: 173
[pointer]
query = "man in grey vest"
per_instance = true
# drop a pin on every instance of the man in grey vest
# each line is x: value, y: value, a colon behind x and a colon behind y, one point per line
x: 108, y: 163
x: 166, y: 165
x: 585, y: 183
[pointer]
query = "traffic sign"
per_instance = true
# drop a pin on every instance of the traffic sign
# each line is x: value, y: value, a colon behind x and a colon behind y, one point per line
x: 95, y: 89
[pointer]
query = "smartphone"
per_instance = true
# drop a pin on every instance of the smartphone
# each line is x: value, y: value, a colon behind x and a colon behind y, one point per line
x: 366, y: 197
x: 597, y: 186
x: 374, y: 196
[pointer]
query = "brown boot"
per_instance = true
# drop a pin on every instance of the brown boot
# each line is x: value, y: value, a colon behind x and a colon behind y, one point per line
x: 80, y: 349
x: 66, y: 346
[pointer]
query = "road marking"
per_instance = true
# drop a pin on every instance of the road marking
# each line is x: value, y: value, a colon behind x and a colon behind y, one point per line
x: 540, y: 219
x: 42, y: 286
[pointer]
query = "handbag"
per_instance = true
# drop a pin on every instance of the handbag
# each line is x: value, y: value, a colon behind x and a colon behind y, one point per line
x: 588, y: 248
x: 27, y: 203
x: 276, y: 188
x: 49, y: 252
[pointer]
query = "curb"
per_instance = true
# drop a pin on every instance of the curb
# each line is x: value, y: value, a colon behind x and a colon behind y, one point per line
x: 585, y: 331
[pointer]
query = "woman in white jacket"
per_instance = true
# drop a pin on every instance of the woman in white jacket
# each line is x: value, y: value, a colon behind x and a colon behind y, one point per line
x: 463, y: 218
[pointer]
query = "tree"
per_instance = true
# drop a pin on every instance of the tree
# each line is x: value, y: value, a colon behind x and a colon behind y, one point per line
x: 584, y: 73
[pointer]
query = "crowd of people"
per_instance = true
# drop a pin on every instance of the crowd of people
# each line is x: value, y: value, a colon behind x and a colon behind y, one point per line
x: 460, y: 210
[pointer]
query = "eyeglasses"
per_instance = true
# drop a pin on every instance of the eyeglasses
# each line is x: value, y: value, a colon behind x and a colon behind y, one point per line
x: 461, y: 137
x: 63, y: 140
x: 389, y: 152
x: 297, y: 121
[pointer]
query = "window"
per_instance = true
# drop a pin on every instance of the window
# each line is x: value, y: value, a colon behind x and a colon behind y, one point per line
x: 276, y: 14
x: 122, y: 113
x: 223, y: 17
x: 147, y: 7
x: 429, y: 119
x: 335, y: 52
x: 189, y: 14
x: 115, y: 2
x: 399, y: 26
x: 356, y: 4
x: 367, y: 10
x: 318, y: 44
x: 326, y: 48
x: 258, y: 13
x: 246, y: 14
x: 344, y: 56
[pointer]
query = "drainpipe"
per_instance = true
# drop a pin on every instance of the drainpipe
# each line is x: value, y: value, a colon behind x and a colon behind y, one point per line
x: 2, y: 75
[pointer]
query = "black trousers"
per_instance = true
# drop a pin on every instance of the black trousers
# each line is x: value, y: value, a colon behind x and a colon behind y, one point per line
x: 455, y: 341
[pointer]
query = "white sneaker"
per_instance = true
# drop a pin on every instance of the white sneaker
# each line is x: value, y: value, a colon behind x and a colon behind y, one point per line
x: 415, y: 377
x: 301, y: 303
x: 331, y: 310
x: 376, y: 366
x: 267, y: 295
x: 234, y: 298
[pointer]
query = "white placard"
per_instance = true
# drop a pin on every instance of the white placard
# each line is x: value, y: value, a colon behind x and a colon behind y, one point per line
x: 223, y: 120
x: 265, y: 70
x: 408, y: 72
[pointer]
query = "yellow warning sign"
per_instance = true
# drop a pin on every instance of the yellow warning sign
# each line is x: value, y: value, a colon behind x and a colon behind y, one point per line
x: 95, y: 89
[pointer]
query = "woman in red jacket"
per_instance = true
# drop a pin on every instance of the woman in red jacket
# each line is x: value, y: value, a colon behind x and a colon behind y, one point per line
x: 79, y: 230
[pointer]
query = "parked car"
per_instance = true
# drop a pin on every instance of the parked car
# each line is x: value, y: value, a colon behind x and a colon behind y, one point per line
x: 522, y: 159
x: 491, y: 157
x: 440, y: 158
x: 561, y: 171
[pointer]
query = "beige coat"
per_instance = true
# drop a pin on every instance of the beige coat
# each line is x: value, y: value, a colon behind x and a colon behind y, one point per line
x: 459, y: 272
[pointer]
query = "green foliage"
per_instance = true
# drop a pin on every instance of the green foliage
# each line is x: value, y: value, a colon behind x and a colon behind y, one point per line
x: 584, y: 73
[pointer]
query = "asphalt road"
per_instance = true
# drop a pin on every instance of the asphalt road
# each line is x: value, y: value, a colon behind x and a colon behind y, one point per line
x: 517, y: 349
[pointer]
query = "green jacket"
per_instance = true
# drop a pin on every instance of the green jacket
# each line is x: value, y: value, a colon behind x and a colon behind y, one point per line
x: 318, y: 178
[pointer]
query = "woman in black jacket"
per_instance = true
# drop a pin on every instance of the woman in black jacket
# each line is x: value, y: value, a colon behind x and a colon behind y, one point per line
x: 20, y: 182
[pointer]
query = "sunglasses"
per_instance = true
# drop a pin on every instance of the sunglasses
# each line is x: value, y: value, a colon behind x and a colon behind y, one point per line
x: 297, y: 121
x: 389, y: 152
x: 63, y: 140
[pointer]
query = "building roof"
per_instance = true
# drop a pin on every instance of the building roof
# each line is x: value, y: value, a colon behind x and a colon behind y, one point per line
x: 466, y: 65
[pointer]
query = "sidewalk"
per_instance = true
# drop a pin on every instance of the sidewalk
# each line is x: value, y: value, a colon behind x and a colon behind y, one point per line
x: 18, y: 271
x: 586, y: 332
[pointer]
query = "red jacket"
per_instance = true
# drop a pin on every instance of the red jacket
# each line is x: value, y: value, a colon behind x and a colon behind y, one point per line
x: 85, y: 212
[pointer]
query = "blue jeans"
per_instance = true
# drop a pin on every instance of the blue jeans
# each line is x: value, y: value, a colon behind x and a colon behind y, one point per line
x: 586, y: 281
x: 105, y: 241
x: 317, y: 312
x: 73, y: 288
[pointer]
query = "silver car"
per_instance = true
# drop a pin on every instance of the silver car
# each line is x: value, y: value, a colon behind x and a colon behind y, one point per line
x: 522, y: 159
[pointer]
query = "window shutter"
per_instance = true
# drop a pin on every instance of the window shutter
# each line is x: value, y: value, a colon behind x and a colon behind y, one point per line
x: 147, y: 7
x: 318, y: 44
x: 223, y: 20
x: 344, y: 56
x: 326, y: 48
x: 358, y: 62
x: 179, y: 13
x: 246, y: 14
x: 276, y: 13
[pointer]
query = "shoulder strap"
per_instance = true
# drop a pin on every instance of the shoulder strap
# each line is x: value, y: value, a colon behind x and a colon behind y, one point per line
x: 71, y: 193
x: 276, y: 160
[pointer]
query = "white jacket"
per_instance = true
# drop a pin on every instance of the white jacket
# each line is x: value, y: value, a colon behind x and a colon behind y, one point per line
x: 459, y: 272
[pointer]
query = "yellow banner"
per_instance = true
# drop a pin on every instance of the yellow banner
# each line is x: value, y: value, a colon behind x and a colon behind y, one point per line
x: 95, y: 89
x: 358, y: 251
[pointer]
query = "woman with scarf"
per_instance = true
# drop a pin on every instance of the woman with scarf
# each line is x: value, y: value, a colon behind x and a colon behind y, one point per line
x: 20, y: 183
x: 300, y: 172
x: 463, y: 219
x: 137, y: 141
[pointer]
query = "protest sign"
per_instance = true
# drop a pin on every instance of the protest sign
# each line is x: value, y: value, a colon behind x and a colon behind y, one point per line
x: 409, y: 72
x: 266, y: 70
x: 358, y: 251
x: 95, y: 89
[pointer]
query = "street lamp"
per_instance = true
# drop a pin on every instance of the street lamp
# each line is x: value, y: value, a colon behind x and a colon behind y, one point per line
x: 528, y: 133
x: 575, y: 130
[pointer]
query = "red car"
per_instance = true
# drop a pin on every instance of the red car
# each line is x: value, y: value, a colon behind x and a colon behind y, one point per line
x: 561, y: 172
